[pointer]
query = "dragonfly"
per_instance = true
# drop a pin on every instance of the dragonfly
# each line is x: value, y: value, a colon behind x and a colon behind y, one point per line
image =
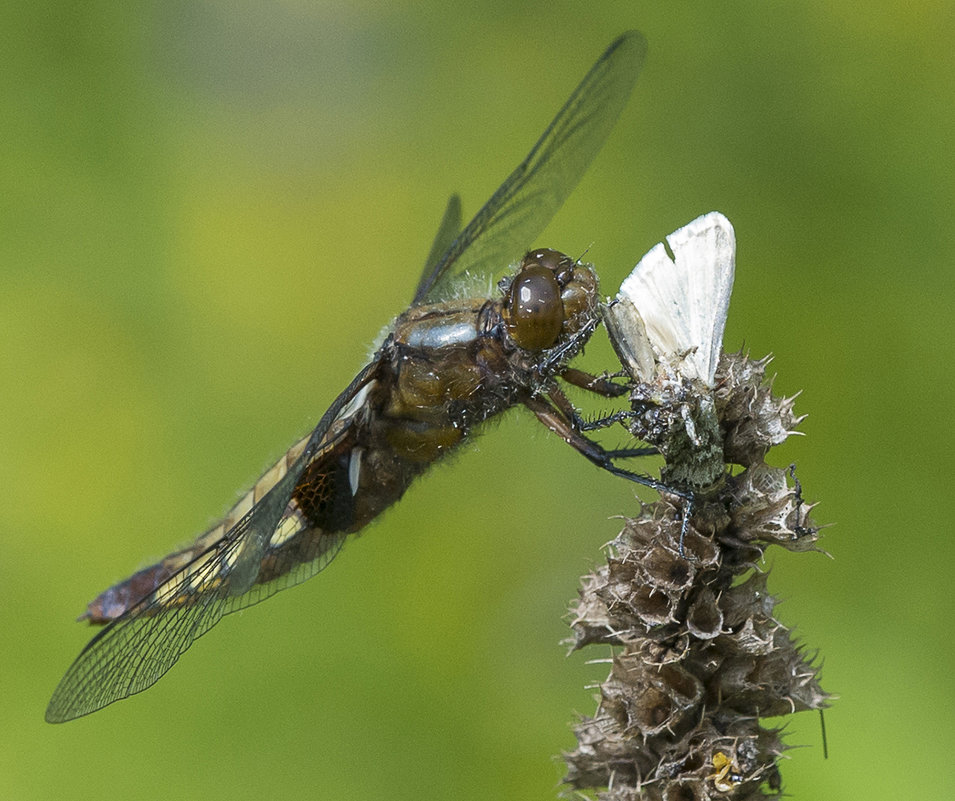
x: 447, y: 364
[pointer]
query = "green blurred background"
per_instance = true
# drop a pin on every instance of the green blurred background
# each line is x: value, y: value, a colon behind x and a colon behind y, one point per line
x: 210, y: 210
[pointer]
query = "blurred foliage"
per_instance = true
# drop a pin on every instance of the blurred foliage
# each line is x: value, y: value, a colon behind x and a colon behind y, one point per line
x: 210, y: 210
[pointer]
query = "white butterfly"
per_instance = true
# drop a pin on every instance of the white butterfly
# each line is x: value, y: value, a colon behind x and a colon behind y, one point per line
x: 668, y: 321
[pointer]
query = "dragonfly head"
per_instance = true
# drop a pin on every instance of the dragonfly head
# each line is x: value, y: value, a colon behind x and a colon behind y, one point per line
x: 551, y: 299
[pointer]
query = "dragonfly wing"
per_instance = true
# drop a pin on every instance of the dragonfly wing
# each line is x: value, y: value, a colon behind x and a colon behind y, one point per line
x: 528, y: 199
x: 271, y: 547
x: 448, y: 231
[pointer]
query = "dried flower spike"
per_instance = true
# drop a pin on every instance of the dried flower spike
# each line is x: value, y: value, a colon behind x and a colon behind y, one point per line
x: 700, y: 658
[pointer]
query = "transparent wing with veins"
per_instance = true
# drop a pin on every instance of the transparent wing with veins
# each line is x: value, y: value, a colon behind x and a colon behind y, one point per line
x: 270, y: 548
x: 504, y: 229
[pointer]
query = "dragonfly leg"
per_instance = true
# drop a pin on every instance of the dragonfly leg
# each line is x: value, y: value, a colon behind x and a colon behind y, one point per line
x: 554, y: 416
x: 606, y: 421
x: 561, y: 417
x: 598, y: 384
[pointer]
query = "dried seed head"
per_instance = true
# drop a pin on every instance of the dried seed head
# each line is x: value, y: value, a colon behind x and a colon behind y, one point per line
x: 700, y: 656
x: 752, y: 419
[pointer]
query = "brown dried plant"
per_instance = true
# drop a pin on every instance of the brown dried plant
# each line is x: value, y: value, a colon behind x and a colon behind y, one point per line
x: 699, y: 658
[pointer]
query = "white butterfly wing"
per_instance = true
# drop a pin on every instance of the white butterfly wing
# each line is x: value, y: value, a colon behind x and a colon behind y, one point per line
x: 671, y: 310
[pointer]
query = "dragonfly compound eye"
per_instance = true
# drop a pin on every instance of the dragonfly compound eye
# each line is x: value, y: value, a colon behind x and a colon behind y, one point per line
x: 534, y: 312
x: 560, y: 265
